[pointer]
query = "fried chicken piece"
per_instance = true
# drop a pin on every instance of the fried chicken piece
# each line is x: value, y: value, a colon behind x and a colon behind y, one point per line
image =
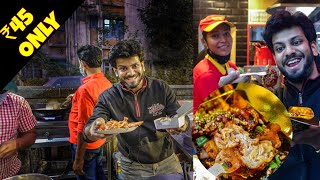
x: 271, y: 78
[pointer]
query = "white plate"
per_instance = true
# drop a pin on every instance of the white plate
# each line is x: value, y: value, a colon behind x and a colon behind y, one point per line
x: 167, y: 122
x: 117, y: 131
x: 200, y: 172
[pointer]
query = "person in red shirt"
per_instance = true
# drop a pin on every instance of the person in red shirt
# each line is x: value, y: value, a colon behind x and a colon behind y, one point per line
x: 17, y: 129
x: 87, y: 157
x: 218, y: 35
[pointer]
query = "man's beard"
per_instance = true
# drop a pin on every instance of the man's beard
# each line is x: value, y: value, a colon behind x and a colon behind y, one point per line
x: 137, y: 82
x: 297, y: 77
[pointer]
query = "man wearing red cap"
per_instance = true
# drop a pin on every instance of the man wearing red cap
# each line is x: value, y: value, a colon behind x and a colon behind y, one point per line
x: 216, y: 69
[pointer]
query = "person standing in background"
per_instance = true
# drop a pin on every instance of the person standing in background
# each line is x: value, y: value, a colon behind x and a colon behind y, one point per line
x: 17, y: 130
x: 87, y: 157
x: 217, y: 37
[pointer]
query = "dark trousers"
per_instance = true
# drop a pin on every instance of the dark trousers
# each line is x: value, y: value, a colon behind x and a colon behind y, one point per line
x: 92, y: 164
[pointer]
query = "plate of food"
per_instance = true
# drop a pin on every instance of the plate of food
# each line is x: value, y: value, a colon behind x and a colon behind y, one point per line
x: 241, y: 131
x: 177, y: 121
x: 304, y: 115
x: 116, y: 127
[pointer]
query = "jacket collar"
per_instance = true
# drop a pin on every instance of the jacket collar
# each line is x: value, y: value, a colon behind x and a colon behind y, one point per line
x: 309, y: 86
x: 145, y: 83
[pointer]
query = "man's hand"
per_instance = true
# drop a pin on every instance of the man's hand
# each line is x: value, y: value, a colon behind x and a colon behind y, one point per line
x: 272, y: 89
x: 67, y: 102
x: 232, y: 77
x: 8, y: 148
x: 91, y: 131
x: 78, y: 167
x: 277, y: 85
x: 308, y: 137
x: 99, y: 122
x: 179, y: 130
x: 313, y: 126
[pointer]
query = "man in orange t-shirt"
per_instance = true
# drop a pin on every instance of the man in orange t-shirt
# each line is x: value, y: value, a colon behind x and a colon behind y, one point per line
x: 87, y: 157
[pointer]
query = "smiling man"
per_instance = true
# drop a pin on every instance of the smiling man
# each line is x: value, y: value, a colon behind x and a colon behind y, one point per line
x: 292, y: 40
x: 295, y: 56
x: 144, y: 152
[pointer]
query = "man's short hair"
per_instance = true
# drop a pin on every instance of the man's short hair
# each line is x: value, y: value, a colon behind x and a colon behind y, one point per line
x: 285, y: 20
x: 90, y: 54
x: 125, y: 49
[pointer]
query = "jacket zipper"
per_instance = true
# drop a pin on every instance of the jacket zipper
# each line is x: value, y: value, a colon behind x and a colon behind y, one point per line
x: 136, y: 104
x: 301, y: 92
x: 300, y: 98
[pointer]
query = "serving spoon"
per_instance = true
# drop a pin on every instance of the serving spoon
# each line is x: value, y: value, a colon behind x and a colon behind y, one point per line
x: 262, y: 73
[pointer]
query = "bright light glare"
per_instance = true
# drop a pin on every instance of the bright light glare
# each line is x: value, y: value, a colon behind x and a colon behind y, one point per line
x: 306, y: 10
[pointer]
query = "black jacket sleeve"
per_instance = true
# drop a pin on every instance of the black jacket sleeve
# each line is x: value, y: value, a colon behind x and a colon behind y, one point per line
x: 172, y: 104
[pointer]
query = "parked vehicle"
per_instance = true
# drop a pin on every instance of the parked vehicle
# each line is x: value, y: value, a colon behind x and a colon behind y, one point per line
x: 64, y: 82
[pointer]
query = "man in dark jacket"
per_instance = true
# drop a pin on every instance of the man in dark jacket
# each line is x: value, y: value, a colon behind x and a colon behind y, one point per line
x: 292, y: 40
x: 146, y: 151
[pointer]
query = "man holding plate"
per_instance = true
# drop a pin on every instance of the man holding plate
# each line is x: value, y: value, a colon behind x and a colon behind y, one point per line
x: 292, y: 40
x: 144, y: 152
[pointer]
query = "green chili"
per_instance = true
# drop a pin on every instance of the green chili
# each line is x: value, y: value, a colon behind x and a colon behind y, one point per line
x: 208, y: 105
x: 259, y: 129
x: 241, y: 70
x: 273, y: 165
x: 201, y: 140
x: 278, y: 160
x: 226, y: 165
x: 221, y: 125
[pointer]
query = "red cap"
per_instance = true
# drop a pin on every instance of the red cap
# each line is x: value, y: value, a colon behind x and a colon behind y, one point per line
x: 212, y: 21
